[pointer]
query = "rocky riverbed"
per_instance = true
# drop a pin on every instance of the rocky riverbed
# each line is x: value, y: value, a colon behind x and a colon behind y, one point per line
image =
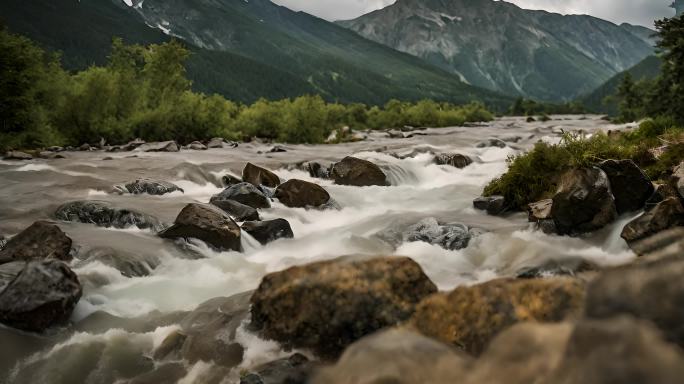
x: 363, y: 262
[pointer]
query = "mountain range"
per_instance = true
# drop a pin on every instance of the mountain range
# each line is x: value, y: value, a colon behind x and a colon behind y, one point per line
x: 448, y: 50
x: 497, y: 45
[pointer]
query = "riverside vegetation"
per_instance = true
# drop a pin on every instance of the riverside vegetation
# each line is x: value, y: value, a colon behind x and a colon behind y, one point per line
x: 143, y: 93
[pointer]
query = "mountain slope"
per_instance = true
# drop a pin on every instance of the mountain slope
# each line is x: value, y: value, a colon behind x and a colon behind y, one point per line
x: 243, y: 50
x: 649, y: 68
x: 500, y: 46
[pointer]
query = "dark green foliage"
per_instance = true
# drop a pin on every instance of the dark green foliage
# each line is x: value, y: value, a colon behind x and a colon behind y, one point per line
x: 669, y: 88
x: 527, y: 107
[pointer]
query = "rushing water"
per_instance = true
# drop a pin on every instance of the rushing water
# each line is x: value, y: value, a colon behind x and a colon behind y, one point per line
x: 33, y: 190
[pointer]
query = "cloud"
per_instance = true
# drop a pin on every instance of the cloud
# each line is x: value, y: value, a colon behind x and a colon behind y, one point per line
x: 641, y: 12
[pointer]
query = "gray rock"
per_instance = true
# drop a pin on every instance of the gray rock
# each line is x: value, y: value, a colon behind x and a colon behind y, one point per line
x: 295, y: 369
x: 42, y: 240
x: 277, y: 149
x: 540, y: 213
x: 661, y: 192
x: 667, y: 243
x: 665, y: 215
x: 494, y: 205
x: 230, y: 180
x: 455, y: 160
x: 37, y: 295
x: 165, y: 146
x: 207, y: 223
x: 17, y: 155
x: 678, y: 179
x: 318, y: 170
x: 197, y: 146
x: 129, y: 264
x: 357, y: 172
x: 630, y: 186
x: 562, y: 267
x: 104, y: 214
x: 584, y: 202
x: 492, y: 142
x: 244, y: 193
x: 238, y: 211
x: 216, y: 142
x: 267, y: 231
x: 151, y: 187
x: 452, y: 236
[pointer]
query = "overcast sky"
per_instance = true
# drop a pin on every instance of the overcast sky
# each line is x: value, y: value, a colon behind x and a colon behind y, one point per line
x: 632, y: 11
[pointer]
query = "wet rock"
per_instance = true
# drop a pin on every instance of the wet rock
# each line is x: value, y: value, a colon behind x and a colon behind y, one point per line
x: 17, y: 155
x: 277, y: 149
x: 661, y: 192
x: 678, y: 179
x: 452, y: 236
x: 620, y: 350
x: 552, y: 268
x: 229, y: 180
x: 207, y: 223
x: 295, y: 369
x: 318, y: 170
x: 244, y: 193
x: 651, y: 291
x: 540, y: 213
x: 469, y: 317
x: 328, y: 305
x: 584, y: 202
x: 238, y: 211
x: 301, y: 194
x: 666, y: 214
x: 396, y: 356
x: 494, y: 205
x: 216, y: 142
x: 85, y: 147
x: 151, y: 187
x: 165, y: 146
x: 492, y: 143
x: 48, y: 155
x: 531, y: 119
x: 37, y: 295
x: 667, y: 243
x: 104, y: 214
x: 455, y: 160
x: 129, y: 264
x: 357, y: 172
x: 170, y: 348
x: 630, y: 186
x: 165, y: 373
x: 258, y: 176
x: 42, y: 240
x: 197, y: 146
x: 3, y: 242
x: 55, y: 149
x: 267, y: 231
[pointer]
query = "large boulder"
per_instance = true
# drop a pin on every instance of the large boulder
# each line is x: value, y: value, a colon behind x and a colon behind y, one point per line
x: 453, y: 159
x: 36, y: 295
x: 630, y: 186
x: 396, y: 356
x: 42, y: 240
x: 150, y: 187
x: 666, y: 214
x: 301, y: 194
x: 105, y: 214
x: 207, y: 223
x: 470, y: 317
x: 165, y: 146
x: 267, y: 231
x: 357, y: 172
x: 584, y: 202
x: 244, y: 193
x: 238, y: 211
x: 257, y: 176
x: 326, y: 306
x: 650, y: 290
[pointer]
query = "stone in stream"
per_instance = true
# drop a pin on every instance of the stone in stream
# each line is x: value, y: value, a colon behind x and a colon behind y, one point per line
x: 665, y: 215
x: 328, y: 305
x: 318, y: 170
x: 165, y: 146
x: 105, y: 214
x: 295, y: 369
x: 216, y: 142
x: 677, y: 179
x: 207, y: 223
x: 150, y: 187
x: 267, y: 231
x: 562, y: 267
x: 238, y: 211
x: 357, y: 172
x: 36, y: 295
x: 397, y: 356
x: 494, y: 205
x: 453, y: 159
x: 452, y: 236
x: 129, y: 264
x: 302, y: 194
x: 197, y: 146
x: 17, y: 155
x: 667, y: 243
x: 661, y: 192
x: 584, y: 202
x: 470, y: 317
x: 42, y: 240
x: 540, y: 213
x: 258, y: 176
x: 230, y: 180
x: 244, y: 193
x: 630, y: 186
x: 493, y: 142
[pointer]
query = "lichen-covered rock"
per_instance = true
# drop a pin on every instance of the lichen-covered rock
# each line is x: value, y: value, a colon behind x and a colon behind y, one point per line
x: 357, y: 172
x: 584, y: 202
x: 238, y: 211
x: 258, y: 176
x: 267, y: 231
x: 666, y: 214
x: 328, y: 305
x: 42, y: 240
x: 207, y: 223
x: 151, y: 187
x: 105, y: 214
x: 301, y: 194
x: 630, y: 186
x: 469, y: 317
x: 36, y: 295
x: 244, y: 193
x: 453, y: 159
x: 396, y: 356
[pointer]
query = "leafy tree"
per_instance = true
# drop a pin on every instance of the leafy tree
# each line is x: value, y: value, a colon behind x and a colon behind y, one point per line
x: 630, y: 102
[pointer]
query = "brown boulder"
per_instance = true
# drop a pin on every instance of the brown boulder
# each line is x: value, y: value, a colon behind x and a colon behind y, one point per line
x: 357, y: 172
x: 207, y: 223
x: 666, y: 214
x: 301, y: 194
x: 328, y: 305
x: 42, y: 240
x: 257, y: 176
x: 630, y: 186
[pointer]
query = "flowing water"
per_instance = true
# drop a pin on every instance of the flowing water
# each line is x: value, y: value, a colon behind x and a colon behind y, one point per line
x: 32, y: 190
